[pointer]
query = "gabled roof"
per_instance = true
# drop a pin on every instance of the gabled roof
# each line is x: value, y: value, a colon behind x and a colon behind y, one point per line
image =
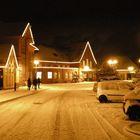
x: 15, y: 30
x: 73, y: 53
x: 5, y: 53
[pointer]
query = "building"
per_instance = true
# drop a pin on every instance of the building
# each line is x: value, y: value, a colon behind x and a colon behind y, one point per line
x: 64, y: 65
x: 20, y: 35
x: 124, y: 66
x: 8, y: 66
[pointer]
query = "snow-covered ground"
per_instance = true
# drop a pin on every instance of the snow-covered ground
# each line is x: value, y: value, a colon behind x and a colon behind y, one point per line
x: 65, y: 112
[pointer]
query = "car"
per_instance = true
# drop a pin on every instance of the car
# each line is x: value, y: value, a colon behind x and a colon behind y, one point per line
x: 131, y: 104
x: 113, y: 90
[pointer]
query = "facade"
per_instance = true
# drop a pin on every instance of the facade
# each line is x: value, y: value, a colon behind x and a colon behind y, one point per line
x: 76, y: 61
x: 20, y: 35
x: 8, y: 66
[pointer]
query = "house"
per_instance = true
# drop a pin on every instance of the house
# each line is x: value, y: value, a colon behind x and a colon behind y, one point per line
x: 8, y: 66
x: 62, y: 65
x: 20, y: 35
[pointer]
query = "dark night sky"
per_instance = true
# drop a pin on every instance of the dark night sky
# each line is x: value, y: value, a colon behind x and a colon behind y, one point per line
x: 106, y: 24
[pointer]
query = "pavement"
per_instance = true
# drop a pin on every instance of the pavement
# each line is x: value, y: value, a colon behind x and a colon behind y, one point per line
x: 8, y: 95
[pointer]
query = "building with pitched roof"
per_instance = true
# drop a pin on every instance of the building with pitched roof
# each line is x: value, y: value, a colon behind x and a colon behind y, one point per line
x: 8, y: 66
x: 20, y: 35
x: 62, y: 65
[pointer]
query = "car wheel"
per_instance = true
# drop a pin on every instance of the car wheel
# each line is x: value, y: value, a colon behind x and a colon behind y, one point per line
x: 134, y: 112
x: 103, y: 99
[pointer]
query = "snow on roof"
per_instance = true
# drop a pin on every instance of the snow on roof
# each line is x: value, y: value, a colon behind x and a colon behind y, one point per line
x: 71, y: 53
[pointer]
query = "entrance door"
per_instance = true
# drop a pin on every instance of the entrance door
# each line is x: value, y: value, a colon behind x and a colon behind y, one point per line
x: 1, y: 78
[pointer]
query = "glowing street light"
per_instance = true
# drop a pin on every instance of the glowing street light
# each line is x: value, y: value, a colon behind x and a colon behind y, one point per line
x: 36, y: 62
x: 131, y: 68
x: 112, y: 62
x: 86, y: 68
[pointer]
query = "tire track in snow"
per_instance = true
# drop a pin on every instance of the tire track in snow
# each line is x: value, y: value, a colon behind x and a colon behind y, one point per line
x: 112, y: 133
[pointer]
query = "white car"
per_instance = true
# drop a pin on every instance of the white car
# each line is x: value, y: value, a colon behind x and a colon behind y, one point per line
x: 113, y: 90
x: 131, y: 106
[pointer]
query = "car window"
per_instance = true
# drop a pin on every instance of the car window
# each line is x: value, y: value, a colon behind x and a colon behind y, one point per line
x: 109, y: 86
x: 125, y: 85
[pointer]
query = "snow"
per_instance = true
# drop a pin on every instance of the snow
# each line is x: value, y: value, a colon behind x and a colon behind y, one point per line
x: 67, y: 111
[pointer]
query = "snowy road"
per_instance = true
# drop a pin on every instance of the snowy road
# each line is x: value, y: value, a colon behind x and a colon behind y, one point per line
x: 63, y: 112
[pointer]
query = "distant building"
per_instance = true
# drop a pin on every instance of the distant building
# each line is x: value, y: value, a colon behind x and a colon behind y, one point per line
x: 63, y: 65
x: 125, y: 67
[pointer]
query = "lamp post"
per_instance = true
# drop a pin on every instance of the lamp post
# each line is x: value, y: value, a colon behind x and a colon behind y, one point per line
x: 36, y: 62
x: 15, y: 78
x: 112, y: 62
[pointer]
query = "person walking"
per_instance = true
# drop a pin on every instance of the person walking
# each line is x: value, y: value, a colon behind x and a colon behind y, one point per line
x: 38, y: 82
x: 29, y: 83
x: 35, y: 83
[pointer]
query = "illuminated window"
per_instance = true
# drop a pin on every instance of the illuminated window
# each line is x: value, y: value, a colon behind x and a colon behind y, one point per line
x: 90, y: 64
x: 59, y: 75
x: 55, y: 75
x: 49, y: 75
x: 83, y: 63
x: 87, y: 62
x: 66, y: 75
x: 39, y: 75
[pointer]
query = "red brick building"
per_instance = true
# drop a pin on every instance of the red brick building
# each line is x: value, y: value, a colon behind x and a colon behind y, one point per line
x: 20, y: 35
x: 62, y: 65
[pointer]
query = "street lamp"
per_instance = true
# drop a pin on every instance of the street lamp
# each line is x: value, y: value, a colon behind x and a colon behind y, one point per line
x: 130, y: 69
x: 112, y: 62
x: 36, y: 62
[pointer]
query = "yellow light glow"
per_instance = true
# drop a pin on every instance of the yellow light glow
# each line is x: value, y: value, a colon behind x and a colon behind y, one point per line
x: 112, y: 62
x: 36, y: 62
x: 86, y: 68
x: 130, y: 68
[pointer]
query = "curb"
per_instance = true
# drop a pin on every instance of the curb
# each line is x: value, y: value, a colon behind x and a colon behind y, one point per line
x: 15, y: 98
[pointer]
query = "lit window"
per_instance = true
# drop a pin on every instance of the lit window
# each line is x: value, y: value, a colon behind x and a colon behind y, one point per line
x: 59, y: 75
x: 55, y: 75
x: 49, y: 75
x: 66, y: 75
x: 90, y: 64
x: 39, y: 75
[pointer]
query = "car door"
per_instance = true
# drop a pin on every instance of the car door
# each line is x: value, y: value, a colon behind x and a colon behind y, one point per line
x: 124, y: 88
x: 113, y: 91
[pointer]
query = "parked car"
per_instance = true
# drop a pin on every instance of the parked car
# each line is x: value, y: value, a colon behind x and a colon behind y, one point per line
x: 111, y: 77
x: 131, y: 105
x: 113, y: 90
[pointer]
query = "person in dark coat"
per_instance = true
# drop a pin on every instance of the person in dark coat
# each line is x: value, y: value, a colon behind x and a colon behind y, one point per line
x: 35, y: 83
x: 38, y: 82
x: 29, y: 83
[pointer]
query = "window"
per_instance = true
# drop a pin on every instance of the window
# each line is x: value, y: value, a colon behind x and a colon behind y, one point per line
x: 90, y: 64
x: 83, y: 63
x: 49, y: 75
x: 39, y: 75
x: 66, y: 75
x: 55, y: 75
